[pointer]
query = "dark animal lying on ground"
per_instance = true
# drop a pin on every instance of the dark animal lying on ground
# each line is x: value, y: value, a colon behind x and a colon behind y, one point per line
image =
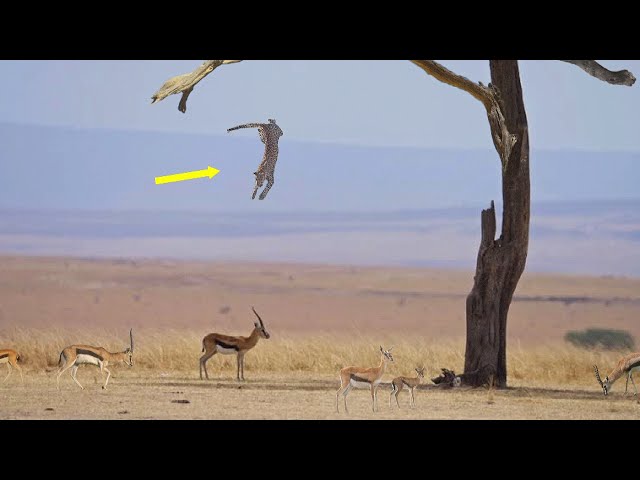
x: 447, y: 379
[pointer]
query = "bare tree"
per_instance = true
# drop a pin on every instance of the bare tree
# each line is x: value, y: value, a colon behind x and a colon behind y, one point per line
x: 500, y: 261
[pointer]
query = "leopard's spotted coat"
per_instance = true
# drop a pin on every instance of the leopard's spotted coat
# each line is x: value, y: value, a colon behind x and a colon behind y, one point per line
x: 269, y: 134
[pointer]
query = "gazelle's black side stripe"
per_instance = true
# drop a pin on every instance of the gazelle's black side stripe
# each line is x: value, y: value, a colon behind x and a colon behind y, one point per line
x: 4, y: 355
x: 359, y: 379
x: 80, y: 351
x: 226, y: 345
x: 634, y: 365
x: 405, y: 382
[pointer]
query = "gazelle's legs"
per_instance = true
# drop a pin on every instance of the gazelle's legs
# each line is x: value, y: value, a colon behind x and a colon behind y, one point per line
x: 74, y: 371
x: 63, y: 369
x: 413, y: 400
x: 19, y: 368
x: 203, y: 363
x: 395, y: 392
x: 373, y: 398
x: 241, y: 359
x: 8, y: 374
x: 399, y: 388
x: 375, y: 395
x: 344, y: 389
x: 627, y: 383
x: 345, y: 386
x: 344, y: 395
x: 95, y: 379
x: 108, y: 377
x: 634, y: 384
x: 238, y: 362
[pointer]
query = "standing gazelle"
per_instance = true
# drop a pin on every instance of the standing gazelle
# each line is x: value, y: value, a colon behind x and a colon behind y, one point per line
x: 11, y: 358
x: 363, y: 377
x: 76, y: 355
x: 229, y: 345
x: 627, y: 365
x: 399, y: 383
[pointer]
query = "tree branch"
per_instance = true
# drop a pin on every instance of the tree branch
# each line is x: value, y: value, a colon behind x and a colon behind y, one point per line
x: 184, y: 83
x: 502, y: 140
x: 443, y: 74
x: 593, y: 68
x: 490, y: 98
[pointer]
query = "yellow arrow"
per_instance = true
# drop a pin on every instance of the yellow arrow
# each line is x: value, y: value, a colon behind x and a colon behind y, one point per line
x: 181, y: 177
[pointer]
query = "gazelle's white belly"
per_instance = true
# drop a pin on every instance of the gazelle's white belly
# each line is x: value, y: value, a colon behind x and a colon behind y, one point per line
x: 360, y: 384
x: 86, y: 359
x: 357, y: 384
x: 225, y: 351
x: 635, y: 369
x: 4, y: 360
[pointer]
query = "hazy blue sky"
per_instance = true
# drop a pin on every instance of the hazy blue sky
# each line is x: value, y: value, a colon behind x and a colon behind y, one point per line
x: 359, y: 102
x: 367, y: 103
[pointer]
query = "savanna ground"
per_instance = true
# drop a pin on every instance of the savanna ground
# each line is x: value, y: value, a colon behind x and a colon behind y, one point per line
x: 320, y: 318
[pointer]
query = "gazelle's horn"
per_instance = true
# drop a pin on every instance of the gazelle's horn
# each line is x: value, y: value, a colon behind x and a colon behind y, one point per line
x: 131, y: 338
x: 595, y: 368
x: 254, y: 311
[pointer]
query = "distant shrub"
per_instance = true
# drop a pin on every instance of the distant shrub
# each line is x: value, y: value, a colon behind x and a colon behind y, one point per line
x: 601, y: 337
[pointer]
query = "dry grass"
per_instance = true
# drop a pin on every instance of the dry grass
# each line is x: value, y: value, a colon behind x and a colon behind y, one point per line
x: 179, y: 351
x: 295, y: 377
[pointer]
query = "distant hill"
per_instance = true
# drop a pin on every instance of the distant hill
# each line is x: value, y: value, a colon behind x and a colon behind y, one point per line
x: 600, y: 238
x: 64, y: 168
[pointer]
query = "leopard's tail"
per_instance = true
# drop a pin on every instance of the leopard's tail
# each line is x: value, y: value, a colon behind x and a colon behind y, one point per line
x: 246, y: 125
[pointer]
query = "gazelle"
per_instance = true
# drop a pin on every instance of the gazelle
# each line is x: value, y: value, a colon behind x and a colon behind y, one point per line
x: 229, y: 345
x: 363, y: 377
x: 76, y: 355
x: 398, y: 383
x: 627, y: 365
x: 11, y: 358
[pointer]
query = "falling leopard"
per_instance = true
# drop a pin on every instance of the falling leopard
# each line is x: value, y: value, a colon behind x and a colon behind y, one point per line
x: 269, y: 135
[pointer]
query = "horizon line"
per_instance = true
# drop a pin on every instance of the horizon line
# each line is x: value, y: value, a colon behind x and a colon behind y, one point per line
x: 308, y: 141
x: 466, y: 206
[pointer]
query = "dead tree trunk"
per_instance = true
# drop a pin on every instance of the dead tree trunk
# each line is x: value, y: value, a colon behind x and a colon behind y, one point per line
x: 502, y: 261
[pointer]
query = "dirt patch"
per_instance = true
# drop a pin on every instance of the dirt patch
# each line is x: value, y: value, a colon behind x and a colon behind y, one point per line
x: 204, y: 295
x: 298, y: 397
